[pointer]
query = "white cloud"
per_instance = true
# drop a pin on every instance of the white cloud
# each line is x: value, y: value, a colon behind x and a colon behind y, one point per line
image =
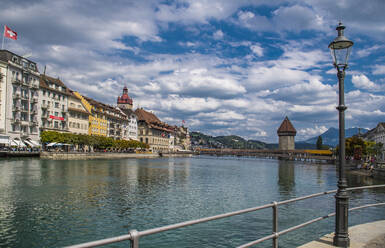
x: 298, y: 18
x: 379, y: 70
x: 218, y: 35
x: 362, y: 82
x: 310, y: 132
x: 367, y: 51
x: 257, y: 49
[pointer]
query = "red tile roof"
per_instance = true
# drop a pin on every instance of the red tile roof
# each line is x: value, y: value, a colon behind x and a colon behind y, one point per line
x: 152, y: 121
x: 286, y: 128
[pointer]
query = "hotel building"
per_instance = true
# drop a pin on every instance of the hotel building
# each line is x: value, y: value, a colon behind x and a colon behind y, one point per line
x: 19, y: 104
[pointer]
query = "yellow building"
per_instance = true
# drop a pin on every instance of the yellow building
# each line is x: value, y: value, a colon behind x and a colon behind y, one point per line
x: 97, y: 121
x: 78, y: 115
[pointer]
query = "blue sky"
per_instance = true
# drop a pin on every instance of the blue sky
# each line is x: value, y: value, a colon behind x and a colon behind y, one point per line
x: 225, y: 67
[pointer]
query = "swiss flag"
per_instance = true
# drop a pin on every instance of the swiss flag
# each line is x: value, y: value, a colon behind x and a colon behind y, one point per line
x: 9, y: 33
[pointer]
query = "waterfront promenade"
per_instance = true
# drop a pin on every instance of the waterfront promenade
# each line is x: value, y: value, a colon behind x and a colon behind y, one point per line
x: 368, y: 235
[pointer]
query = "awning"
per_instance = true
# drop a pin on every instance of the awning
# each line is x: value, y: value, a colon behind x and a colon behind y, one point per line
x: 35, y: 143
x: 52, y: 144
x: 4, y: 140
x: 31, y: 142
x: 17, y: 143
x: 28, y: 143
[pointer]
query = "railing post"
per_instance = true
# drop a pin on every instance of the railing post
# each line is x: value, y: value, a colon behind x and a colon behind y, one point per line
x: 275, y: 224
x: 134, y: 239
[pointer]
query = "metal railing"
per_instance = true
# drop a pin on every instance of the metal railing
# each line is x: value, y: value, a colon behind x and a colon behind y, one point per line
x: 134, y: 235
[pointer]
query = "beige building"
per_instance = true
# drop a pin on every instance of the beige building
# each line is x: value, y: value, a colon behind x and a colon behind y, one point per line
x: 286, y: 133
x: 153, y: 132
x: 78, y: 116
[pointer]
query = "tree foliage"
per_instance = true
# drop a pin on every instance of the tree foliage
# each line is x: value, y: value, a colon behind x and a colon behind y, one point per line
x: 319, y: 143
x: 98, y: 142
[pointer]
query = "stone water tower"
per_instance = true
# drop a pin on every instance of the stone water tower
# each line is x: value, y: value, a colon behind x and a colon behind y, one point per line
x: 286, y: 133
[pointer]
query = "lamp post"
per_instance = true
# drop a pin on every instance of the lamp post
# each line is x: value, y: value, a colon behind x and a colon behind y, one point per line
x: 340, y: 49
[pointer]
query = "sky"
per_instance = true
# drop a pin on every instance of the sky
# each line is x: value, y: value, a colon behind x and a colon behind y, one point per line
x: 224, y: 67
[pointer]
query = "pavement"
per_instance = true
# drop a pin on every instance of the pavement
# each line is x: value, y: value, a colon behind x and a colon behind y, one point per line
x: 369, y: 235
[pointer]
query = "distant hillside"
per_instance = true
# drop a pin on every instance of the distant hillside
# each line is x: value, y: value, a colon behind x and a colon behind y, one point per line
x: 230, y: 141
x: 331, y: 136
x: 236, y: 142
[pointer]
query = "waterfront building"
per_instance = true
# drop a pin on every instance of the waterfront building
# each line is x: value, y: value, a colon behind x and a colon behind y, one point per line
x: 54, y: 104
x: 377, y: 135
x: 97, y: 120
x: 152, y: 131
x: 182, y: 138
x: 286, y: 133
x: 117, y: 122
x: 78, y: 115
x: 125, y: 104
x: 19, y: 105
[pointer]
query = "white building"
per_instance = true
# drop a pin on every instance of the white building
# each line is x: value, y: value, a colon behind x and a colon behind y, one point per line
x: 131, y: 126
x: 54, y: 104
x: 377, y: 135
x: 19, y: 104
x: 125, y: 104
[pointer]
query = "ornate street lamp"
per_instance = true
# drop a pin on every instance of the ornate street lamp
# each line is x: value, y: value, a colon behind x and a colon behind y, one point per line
x: 340, y: 49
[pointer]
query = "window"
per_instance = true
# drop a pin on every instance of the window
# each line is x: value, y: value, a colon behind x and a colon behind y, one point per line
x: 56, y: 114
x: 57, y: 105
x: 43, y: 92
x: 56, y: 124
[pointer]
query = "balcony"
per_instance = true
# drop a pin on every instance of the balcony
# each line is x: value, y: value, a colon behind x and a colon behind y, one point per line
x: 34, y: 112
x: 16, y: 81
x: 34, y: 99
x: 16, y: 95
x: 35, y: 86
x: 16, y: 108
x: 34, y: 123
x: 24, y: 110
x: 45, y: 106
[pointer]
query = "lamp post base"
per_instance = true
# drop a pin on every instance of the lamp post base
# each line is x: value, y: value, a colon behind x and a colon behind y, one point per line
x: 341, y: 236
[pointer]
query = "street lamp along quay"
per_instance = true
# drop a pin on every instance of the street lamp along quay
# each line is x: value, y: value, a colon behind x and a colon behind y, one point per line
x: 340, y: 49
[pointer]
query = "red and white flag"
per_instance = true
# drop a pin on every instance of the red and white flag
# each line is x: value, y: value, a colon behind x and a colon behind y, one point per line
x: 9, y: 33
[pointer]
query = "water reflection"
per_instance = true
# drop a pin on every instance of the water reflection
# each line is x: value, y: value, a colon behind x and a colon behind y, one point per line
x: 286, y: 176
x: 57, y: 203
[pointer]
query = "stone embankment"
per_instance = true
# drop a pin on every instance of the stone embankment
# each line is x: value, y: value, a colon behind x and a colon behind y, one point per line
x: 369, y: 235
x: 105, y: 155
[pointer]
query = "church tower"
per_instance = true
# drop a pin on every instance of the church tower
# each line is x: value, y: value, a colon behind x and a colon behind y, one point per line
x: 286, y: 133
x: 124, y: 101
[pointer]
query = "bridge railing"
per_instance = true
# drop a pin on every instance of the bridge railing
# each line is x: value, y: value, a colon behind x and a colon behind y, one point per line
x: 135, y: 235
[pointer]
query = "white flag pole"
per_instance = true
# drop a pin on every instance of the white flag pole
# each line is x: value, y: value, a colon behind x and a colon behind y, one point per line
x: 2, y: 44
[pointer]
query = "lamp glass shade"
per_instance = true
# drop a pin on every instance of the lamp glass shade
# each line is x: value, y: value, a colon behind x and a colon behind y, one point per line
x: 340, y: 49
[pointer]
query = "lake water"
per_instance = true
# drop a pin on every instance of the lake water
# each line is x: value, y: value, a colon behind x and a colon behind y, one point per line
x: 46, y: 203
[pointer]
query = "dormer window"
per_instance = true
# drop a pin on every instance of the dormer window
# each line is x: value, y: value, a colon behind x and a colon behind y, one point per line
x: 15, y: 59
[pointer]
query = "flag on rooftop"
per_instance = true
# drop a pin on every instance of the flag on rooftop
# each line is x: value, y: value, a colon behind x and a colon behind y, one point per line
x: 9, y: 33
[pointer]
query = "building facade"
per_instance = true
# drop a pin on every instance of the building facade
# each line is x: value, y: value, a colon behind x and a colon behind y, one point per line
x: 54, y: 104
x: 286, y: 133
x: 78, y: 116
x: 97, y: 121
x: 377, y: 135
x: 125, y: 104
x: 152, y: 131
x: 182, y: 138
x: 19, y: 99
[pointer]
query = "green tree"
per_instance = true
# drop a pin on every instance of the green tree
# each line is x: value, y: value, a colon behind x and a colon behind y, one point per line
x: 319, y: 143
